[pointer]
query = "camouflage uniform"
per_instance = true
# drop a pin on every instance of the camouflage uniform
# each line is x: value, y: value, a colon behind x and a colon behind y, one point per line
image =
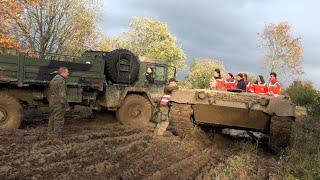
x: 164, y: 113
x: 57, y: 104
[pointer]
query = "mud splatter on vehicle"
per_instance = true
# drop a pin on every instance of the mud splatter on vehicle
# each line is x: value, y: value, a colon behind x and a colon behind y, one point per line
x: 270, y: 115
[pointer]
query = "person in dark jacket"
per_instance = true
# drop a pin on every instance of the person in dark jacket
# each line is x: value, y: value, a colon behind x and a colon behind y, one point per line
x: 149, y: 75
x: 58, y: 103
x: 241, y: 84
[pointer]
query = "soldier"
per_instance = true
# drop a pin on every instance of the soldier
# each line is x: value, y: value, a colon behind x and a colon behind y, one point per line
x: 149, y: 75
x: 58, y: 101
x: 163, y: 116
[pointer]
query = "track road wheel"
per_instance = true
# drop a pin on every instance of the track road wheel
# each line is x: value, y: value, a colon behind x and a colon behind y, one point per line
x: 280, y: 133
x: 11, y: 112
x: 135, y: 111
x: 181, y: 119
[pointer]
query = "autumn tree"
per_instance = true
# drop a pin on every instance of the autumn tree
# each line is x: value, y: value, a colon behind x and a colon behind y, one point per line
x: 202, y: 71
x: 106, y: 44
x: 57, y: 26
x: 283, y: 50
x: 9, y: 9
x: 151, y: 38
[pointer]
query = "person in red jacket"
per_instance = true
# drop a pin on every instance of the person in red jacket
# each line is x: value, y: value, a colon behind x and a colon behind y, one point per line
x: 249, y: 87
x: 164, y: 109
x: 230, y: 83
x: 260, y: 86
x: 274, y: 85
x: 216, y: 81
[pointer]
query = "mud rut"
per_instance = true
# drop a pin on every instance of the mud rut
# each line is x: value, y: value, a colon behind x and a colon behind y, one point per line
x: 101, y: 148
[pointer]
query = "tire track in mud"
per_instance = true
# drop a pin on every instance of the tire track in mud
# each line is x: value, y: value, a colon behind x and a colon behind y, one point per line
x: 95, y: 149
x: 84, y: 149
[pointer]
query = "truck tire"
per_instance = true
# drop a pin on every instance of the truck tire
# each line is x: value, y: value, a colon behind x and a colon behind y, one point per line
x: 181, y: 119
x: 136, y: 111
x: 280, y: 133
x: 11, y: 112
x: 117, y: 62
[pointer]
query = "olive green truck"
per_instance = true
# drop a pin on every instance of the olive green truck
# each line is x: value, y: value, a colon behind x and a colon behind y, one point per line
x: 114, y: 81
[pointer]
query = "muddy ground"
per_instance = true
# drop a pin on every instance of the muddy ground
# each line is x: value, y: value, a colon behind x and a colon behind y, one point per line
x: 101, y: 148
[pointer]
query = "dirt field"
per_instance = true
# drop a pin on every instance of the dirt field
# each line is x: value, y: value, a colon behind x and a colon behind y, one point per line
x: 101, y: 148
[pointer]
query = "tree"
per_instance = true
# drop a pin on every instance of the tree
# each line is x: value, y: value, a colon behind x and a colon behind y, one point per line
x: 57, y: 26
x: 106, y: 44
x: 202, y: 71
x: 283, y: 51
x: 151, y: 38
x: 8, y: 8
x: 304, y: 94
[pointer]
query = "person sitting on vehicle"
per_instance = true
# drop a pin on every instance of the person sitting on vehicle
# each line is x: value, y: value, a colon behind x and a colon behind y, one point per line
x: 149, y: 75
x: 241, y: 83
x: 274, y: 85
x: 245, y: 77
x: 230, y: 83
x: 249, y: 87
x: 260, y: 86
x: 163, y: 116
x: 216, y: 81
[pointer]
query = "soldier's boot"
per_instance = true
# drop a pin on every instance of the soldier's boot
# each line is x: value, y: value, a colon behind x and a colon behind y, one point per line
x: 161, y: 128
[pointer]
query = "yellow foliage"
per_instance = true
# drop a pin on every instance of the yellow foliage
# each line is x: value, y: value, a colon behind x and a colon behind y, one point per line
x: 283, y: 51
x: 202, y: 71
x: 150, y: 38
x: 47, y: 26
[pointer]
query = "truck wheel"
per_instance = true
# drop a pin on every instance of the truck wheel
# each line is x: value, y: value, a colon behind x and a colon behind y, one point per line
x: 181, y: 119
x: 10, y: 112
x: 280, y: 133
x: 136, y: 111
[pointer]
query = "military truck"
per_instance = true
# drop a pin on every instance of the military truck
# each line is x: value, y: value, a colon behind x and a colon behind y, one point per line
x: 113, y: 81
x: 244, y: 111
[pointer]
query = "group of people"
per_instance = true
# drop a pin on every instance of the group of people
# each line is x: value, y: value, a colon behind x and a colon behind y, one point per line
x: 240, y: 82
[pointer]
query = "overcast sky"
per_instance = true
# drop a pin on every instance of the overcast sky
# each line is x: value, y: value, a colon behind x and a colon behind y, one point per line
x: 225, y: 30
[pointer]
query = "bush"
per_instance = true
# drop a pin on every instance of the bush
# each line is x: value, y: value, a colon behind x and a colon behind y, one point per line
x: 302, y: 159
x: 304, y: 94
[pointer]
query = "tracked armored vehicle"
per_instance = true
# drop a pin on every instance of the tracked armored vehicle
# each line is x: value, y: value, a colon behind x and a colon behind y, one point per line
x: 270, y: 115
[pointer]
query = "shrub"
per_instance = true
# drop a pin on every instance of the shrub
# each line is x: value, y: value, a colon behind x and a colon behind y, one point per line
x: 304, y: 94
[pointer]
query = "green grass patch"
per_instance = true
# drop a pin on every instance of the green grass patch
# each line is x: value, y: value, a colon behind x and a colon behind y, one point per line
x: 302, y: 160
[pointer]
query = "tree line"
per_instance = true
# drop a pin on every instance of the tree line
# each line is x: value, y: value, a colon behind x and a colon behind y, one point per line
x: 70, y: 27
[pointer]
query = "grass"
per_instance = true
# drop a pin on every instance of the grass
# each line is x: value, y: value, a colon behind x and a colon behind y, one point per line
x: 299, y: 161
x: 303, y: 158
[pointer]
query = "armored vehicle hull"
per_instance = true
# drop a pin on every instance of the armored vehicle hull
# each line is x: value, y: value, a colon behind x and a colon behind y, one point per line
x: 246, y: 111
